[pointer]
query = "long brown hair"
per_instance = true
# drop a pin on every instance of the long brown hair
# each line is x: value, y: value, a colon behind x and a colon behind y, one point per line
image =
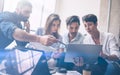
x: 51, y: 18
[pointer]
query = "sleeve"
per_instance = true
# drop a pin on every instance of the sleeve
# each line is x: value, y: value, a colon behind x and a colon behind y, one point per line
x: 114, y: 49
x: 7, y: 29
x: 19, y: 43
x: 34, y: 44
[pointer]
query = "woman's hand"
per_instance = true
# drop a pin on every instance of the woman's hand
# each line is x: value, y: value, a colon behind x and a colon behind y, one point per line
x: 103, y: 55
x: 110, y: 57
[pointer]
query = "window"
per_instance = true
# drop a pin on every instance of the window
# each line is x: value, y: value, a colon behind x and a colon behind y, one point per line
x: 41, y: 10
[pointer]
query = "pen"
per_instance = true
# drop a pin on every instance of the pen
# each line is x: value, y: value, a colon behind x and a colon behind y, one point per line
x: 61, y: 42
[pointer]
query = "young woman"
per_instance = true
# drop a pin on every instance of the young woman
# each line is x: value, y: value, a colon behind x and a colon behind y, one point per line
x: 51, y: 28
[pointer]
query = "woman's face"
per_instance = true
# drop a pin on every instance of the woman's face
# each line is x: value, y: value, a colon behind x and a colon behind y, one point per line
x: 55, y: 26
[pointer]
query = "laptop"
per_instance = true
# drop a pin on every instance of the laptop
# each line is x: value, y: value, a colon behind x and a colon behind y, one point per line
x: 41, y: 66
x: 88, y: 52
x: 24, y: 61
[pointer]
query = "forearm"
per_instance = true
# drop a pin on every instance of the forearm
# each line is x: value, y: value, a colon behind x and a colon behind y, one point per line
x: 24, y: 36
x: 112, y: 58
x: 21, y: 35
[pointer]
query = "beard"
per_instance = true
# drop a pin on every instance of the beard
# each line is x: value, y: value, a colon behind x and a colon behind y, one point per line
x: 23, y: 18
x: 74, y: 34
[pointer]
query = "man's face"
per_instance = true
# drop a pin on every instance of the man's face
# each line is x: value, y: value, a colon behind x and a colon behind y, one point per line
x: 90, y: 27
x: 73, y: 29
x: 25, y: 13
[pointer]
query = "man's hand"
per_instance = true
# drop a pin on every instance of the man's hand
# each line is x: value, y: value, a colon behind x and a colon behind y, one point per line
x: 27, y: 26
x: 47, y: 40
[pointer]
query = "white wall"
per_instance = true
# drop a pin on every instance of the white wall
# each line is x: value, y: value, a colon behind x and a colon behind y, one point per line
x: 67, y: 8
x: 110, y: 20
x: 1, y: 5
x: 40, y: 11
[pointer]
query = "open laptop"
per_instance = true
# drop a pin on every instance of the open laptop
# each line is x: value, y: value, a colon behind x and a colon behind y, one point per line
x: 24, y: 61
x: 88, y: 52
x: 41, y: 66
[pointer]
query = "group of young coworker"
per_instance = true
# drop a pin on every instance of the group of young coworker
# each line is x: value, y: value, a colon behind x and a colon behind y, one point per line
x: 110, y: 51
x: 11, y: 29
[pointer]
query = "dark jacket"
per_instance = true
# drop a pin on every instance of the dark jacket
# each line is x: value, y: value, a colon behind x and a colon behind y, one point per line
x: 8, y: 23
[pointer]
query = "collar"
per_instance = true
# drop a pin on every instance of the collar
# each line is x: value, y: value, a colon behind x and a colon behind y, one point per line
x: 76, y: 37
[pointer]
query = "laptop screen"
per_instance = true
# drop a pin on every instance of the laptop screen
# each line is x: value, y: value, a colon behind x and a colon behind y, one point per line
x: 41, y: 67
x: 24, y: 62
x: 38, y: 64
x: 88, y: 52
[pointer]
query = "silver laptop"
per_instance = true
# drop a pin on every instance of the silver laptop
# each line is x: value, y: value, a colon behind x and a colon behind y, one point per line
x: 89, y: 52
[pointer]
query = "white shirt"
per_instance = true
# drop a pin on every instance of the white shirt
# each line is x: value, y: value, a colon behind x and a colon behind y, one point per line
x: 108, y: 41
x: 78, y: 39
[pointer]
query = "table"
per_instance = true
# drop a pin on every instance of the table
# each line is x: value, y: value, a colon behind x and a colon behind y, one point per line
x: 68, y: 73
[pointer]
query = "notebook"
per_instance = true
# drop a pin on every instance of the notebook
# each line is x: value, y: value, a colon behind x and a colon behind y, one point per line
x: 88, y: 52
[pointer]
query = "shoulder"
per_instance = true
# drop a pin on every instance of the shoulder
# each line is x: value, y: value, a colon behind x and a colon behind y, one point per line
x: 40, y: 31
x: 9, y: 16
x: 107, y: 35
x: 60, y: 37
x: 87, y: 37
x: 6, y: 14
x: 80, y: 36
x: 65, y: 34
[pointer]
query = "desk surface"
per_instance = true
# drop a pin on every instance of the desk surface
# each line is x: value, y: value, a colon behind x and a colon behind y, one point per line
x: 68, y: 73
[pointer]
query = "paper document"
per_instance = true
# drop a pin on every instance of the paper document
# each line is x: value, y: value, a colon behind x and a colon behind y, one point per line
x: 39, y: 46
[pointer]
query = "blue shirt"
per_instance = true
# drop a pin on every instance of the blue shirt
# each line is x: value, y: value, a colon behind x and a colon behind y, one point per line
x: 78, y: 39
x: 8, y: 23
